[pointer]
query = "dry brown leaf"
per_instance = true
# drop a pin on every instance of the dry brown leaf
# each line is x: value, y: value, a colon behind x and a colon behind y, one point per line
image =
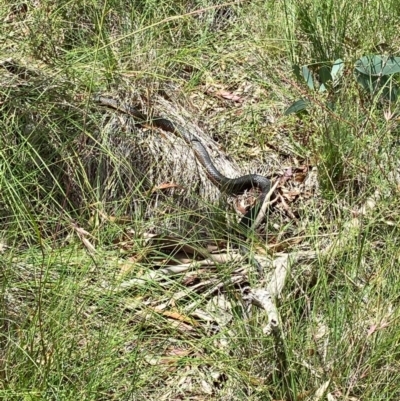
x: 190, y: 280
x: 213, y: 248
x: 321, y: 391
x: 169, y: 360
x: 112, y: 219
x: 166, y: 185
x: 178, y: 316
x: 80, y: 230
x: 285, y: 244
x: 173, y: 356
x: 178, y: 352
x: 254, y: 151
x: 182, y: 327
x: 283, y: 205
x: 89, y: 246
x: 373, y: 328
x: 290, y: 194
x: 130, y: 264
x: 303, y: 395
x: 123, y: 245
x: 300, y: 174
x: 228, y: 95
x: 82, y: 233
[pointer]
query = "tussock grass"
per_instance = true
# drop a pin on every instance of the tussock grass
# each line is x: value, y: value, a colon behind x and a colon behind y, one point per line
x: 75, y: 209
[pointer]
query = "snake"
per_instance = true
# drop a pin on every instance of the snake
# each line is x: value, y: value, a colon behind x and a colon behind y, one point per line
x: 230, y: 186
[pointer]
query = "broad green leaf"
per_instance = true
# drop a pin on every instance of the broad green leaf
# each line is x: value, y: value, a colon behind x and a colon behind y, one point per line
x: 367, y: 82
x: 324, y: 74
x: 307, y: 75
x: 297, y: 107
x: 390, y: 89
x: 374, y: 84
x: 322, y: 88
x: 296, y: 71
x: 337, y: 69
x: 378, y: 65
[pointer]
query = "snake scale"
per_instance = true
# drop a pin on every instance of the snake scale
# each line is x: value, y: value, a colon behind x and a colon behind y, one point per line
x: 231, y: 186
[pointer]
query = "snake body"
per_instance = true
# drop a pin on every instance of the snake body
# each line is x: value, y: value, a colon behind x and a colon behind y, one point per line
x: 231, y: 186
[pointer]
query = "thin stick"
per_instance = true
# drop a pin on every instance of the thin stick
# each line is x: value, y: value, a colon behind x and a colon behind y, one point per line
x: 266, y: 203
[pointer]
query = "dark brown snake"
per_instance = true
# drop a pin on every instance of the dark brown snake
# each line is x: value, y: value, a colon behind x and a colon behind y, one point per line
x: 231, y: 186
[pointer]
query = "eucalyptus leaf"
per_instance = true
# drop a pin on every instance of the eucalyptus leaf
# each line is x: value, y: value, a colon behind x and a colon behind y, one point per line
x: 390, y: 90
x: 297, y: 107
x: 324, y: 74
x: 297, y: 72
x: 383, y: 84
x: 337, y: 69
x: 378, y: 65
x: 367, y: 82
x: 307, y: 75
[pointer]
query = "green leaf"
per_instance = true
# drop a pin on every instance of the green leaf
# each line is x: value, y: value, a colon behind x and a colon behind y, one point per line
x: 307, y: 75
x: 374, y: 84
x: 297, y: 107
x: 390, y: 89
x: 324, y: 74
x: 337, y: 69
x: 296, y: 71
x: 378, y: 65
x: 367, y: 82
x: 322, y: 88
